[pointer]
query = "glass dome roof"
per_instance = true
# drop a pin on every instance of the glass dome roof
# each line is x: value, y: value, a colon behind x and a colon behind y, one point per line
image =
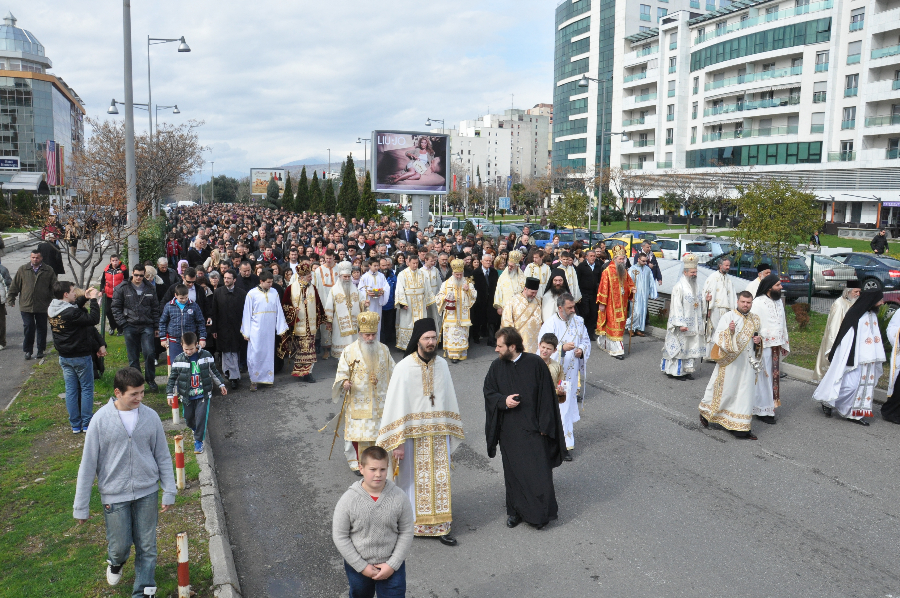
x: 14, y: 39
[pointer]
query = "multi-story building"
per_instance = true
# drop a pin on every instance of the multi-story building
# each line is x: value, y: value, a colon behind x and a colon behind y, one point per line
x: 590, y: 41
x: 35, y: 105
x: 804, y: 90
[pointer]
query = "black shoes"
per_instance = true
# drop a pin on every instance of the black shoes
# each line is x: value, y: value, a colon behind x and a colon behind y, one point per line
x: 448, y: 540
x: 512, y: 521
x: 826, y: 410
x: 235, y: 384
x: 861, y: 422
x: 766, y: 419
x: 27, y: 356
x: 704, y: 422
x: 40, y: 355
x: 748, y: 435
x: 153, y: 387
x: 568, y: 457
x: 619, y: 357
x: 308, y: 378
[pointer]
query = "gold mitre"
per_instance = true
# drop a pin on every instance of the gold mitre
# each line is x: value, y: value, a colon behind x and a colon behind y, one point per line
x: 690, y: 261
x: 458, y: 265
x: 368, y: 322
x: 618, y: 251
x: 515, y: 257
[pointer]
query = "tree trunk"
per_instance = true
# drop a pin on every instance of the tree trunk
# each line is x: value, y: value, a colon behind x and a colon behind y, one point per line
x: 688, y: 223
x: 704, y: 225
x: 670, y: 219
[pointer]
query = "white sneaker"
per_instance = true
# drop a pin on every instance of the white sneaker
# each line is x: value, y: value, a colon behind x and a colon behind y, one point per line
x: 113, y: 574
x: 2, y: 347
x: 150, y: 592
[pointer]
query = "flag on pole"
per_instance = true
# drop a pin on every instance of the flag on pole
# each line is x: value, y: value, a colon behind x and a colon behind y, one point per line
x: 62, y: 165
x: 51, y: 163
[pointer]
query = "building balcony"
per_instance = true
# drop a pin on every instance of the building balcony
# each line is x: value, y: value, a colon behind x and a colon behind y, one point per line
x: 633, y: 166
x: 639, y: 78
x: 634, y: 77
x: 822, y: 67
x: 753, y: 77
x: 853, y: 58
x: 886, y: 20
x: 745, y: 134
x: 856, y: 25
x: 763, y: 19
x: 887, y: 51
x: 744, y: 106
x: 639, y: 124
x: 817, y: 128
x: 848, y: 124
x: 638, y: 56
x: 647, y: 97
x: 892, y: 153
x: 882, y: 121
x: 841, y: 156
x: 661, y: 165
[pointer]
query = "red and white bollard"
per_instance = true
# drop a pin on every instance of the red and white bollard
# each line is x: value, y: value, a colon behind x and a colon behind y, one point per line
x: 179, y: 462
x: 176, y: 414
x: 184, y: 574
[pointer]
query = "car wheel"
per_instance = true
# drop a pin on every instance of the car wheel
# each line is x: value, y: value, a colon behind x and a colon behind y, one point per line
x: 872, y: 284
x: 891, y: 309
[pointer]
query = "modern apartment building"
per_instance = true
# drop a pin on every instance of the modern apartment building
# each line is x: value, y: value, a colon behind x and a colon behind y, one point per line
x: 799, y: 89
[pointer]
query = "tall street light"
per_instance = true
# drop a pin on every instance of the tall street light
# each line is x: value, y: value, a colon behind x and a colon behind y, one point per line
x: 156, y: 110
x: 364, y: 141
x: 153, y: 41
x: 329, y: 161
x: 437, y: 120
x: 130, y: 170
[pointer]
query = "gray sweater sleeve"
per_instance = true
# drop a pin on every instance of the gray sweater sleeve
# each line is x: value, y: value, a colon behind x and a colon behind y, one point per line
x: 340, y: 533
x: 87, y: 471
x: 405, y: 538
x: 164, y: 462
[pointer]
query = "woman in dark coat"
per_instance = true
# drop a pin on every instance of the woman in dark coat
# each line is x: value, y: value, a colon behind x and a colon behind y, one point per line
x: 226, y: 312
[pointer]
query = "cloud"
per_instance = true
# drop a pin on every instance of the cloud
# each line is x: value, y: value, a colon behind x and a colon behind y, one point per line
x: 281, y: 81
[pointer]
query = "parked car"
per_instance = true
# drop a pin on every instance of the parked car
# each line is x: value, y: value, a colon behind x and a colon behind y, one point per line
x: 892, y: 300
x: 794, y: 272
x: 829, y: 274
x: 640, y: 234
x: 632, y: 245
x: 875, y: 272
x: 671, y: 248
x: 706, y: 248
x: 545, y: 236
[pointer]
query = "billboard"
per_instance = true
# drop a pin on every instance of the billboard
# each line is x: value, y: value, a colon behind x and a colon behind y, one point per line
x: 259, y: 180
x: 9, y: 163
x: 410, y: 162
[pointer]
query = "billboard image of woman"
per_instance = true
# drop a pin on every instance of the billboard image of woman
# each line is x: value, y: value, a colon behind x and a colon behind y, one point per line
x: 410, y: 162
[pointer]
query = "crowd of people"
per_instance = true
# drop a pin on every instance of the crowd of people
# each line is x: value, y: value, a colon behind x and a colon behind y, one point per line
x: 241, y: 290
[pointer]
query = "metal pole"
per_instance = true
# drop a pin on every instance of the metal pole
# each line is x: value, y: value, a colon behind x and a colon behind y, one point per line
x: 329, y: 161
x: 602, y: 146
x: 812, y: 263
x: 130, y: 170
x: 149, y: 92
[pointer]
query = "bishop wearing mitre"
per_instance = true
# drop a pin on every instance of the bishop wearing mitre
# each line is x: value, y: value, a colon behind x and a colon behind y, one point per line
x: 454, y: 302
x: 342, y: 307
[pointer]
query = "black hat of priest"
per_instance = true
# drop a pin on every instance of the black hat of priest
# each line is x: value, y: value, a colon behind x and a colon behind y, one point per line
x: 762, y: 266
x: 853, y: 284
x: 532, y: 283
x: 419, y: 329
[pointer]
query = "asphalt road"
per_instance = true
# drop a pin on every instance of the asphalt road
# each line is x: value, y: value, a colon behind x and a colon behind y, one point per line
x: 652, y: 506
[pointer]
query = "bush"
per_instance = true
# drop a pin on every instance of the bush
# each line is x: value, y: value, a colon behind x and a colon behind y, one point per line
x: 152, y: 239
x: 469, y: 228
x: 801, y: 314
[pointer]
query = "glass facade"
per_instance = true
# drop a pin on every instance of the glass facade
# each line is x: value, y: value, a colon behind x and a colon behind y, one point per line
x: 564, y: 68
x: 751, y: 155
x: 606, y: 44
x: 799, y: 34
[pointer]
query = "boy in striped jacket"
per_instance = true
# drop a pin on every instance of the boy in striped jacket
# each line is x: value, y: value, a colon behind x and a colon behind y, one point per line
x: 192, y: 377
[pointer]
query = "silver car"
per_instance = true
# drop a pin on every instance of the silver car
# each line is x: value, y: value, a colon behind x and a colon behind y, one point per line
x: 829, y: 274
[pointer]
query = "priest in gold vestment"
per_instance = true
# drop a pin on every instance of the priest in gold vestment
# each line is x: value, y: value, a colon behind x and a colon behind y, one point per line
x: 615, y: 293
x: 421, y: 427
x: 523, y: 312
x: 454, y: 302
x: 510, y: 282
x: 303, y: 312
x: 363, y: 374
x: 412, y: 299
x: 342, y: 307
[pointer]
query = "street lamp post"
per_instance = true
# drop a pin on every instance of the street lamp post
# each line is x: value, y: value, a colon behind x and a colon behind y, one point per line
x: 130, y: 170
x: 212, y: 181
x: 182, y: 47
x: 156, y: 110
x: 329, y: 161
x: 364, y: 141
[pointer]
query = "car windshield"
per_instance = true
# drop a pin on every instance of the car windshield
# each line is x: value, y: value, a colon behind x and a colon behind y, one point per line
x: 566, y: 237
x: 890, y: 262
x: 797, y: 263
x: 726, y: 247
x: 666, y: 244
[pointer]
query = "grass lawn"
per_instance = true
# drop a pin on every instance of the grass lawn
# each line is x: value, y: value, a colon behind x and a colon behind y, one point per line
x: 861, y: 245
x: 18, y: 230
x: 43, y: 550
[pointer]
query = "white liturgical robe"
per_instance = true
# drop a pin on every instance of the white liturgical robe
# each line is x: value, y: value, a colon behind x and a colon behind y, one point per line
x: 263, y: 320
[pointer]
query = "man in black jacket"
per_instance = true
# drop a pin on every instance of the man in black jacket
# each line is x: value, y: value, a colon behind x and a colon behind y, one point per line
x: 76, y: 340
x: 589, y: 272
x: 169, y: 278
x: 136, y: 309
x: 879, y: 243
x: 246, y: 279
x: 226, y: 313
x: 485, y: 319
x: 198, y: 252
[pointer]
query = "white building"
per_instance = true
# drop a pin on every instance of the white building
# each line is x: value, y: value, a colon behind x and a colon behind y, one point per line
x: 805, y: 90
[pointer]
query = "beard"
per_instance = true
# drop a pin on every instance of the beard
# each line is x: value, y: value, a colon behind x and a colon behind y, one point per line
x: 775, y: 295
x: 507, y: 355
x: 369, y: 350
x: 427, y: 355
x: 745, y: 312
x: 692, y: 281
x: 566, y: 317
x: 620, y: 270
x: 557, y: 291
x: 347, y: 285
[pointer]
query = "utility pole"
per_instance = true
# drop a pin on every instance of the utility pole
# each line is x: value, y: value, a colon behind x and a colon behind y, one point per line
x: 130, y: 169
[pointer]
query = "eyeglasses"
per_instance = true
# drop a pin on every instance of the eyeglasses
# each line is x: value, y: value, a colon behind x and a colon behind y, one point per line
x: 188, y: 282
x: 137, y: 275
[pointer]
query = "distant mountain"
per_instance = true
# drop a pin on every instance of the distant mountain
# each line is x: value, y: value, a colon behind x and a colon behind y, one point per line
x: 307, y: 162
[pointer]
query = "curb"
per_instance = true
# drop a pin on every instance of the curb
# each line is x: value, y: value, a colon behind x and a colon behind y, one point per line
x: 793, y: 371
x: 225, y: 578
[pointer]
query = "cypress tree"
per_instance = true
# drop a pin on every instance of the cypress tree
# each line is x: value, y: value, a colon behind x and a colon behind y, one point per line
x: 315, y: 194
x: 287, y: 200
x: 272, y: 193
x: 368, y: 206
x: 329, y: 205
x: 301, y: 197
x: 348, y: 198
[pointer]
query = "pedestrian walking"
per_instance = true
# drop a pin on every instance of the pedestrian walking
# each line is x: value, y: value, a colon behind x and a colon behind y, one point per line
x: 262, y: 320
x: 136, y: 310
x: 226, y: 311
x: 113, y: 275
x: 74, y: 335
x: 180, y: 315
x: 34, y: 281
x: 879, y: 243
x: 5, y: 283
x: 372, y: 528
x: 129, y: 487
x: 776, y: 345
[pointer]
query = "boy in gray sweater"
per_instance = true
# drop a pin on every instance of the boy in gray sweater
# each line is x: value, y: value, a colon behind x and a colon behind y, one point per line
x: 373, y: 530
x: 126, y: 450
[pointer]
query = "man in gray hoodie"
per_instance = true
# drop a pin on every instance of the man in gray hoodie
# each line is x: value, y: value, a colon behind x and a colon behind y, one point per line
x: 126, y: 450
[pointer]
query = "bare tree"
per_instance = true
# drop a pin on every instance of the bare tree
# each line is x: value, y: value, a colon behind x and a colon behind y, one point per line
x: 630, y: 188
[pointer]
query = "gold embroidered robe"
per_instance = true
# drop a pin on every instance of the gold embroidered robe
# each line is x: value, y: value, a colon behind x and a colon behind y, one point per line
x: 456, y: 321
x: 342, y: 310
x: 414, y: 292
x: 525, y: 317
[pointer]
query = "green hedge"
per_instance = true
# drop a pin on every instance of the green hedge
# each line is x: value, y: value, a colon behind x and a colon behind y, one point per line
x: 152, y: 239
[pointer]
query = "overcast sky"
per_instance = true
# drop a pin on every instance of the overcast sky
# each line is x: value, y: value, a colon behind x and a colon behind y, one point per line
x: 279, y: 81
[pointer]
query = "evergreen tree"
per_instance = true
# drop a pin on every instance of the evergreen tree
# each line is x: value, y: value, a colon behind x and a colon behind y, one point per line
x: 287, y: 200
x: 329, y: 205
x: 272, y: 192
x: 368, y: 206
x: 348, y: 197
x: 301, y: 197
x: 315, y: 194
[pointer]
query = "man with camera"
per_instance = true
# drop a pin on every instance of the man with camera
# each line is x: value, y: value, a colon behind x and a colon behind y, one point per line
x: 76, y: 340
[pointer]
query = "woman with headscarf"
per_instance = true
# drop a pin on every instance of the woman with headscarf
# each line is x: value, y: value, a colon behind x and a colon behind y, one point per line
x: 773, y: 330
x: 856, y: 362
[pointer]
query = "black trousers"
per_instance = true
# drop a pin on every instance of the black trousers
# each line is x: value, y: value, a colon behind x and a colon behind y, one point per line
x: 389, y: 326
x: 34, y: 323
x: 195, y: 414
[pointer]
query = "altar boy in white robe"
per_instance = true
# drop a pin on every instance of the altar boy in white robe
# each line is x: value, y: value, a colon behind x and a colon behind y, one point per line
x: 342, y: 309
x: 373, y: 290
x: 262, y: 321
x: 773, y: 330
x: 856, y: 362
x: 729, y: 396
x: 572, y: 353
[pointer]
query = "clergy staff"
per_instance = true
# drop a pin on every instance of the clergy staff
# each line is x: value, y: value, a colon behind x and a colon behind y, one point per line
x: 730, y: 394
x: 856, y: 362
x: 839, y: 309
x: 303, y: 312
x: 455, y: 300
x: 572, y: 353
x: 522, y: 417
x: 262, y: 321
x: 773, y: 330
x: 720, y: 300
x: 615, y: 292
x: 363, y: 374
x: 523, y: 312
x: 685, y: 342
x: 342, y: 308
x: 644, y: 290
x: 421, y: 427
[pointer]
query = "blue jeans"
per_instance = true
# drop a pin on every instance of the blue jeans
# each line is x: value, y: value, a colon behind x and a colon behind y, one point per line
x: 365, y: 587
x: 140, y: 340
x: 134, y: 522
x: 78, y: 372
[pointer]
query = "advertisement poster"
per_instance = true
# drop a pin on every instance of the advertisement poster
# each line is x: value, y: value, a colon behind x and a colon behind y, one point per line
x: 410, y: 162
x: 259, y: 180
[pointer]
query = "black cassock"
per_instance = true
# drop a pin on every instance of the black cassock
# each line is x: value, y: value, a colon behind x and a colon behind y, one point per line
x: 530, y: 435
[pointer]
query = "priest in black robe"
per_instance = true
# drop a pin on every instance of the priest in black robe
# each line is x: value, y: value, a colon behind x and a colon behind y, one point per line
x: 523, y: 417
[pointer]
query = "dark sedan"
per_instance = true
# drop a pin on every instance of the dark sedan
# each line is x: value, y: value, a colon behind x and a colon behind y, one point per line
x: 874, y: 272
x: 794, y: 272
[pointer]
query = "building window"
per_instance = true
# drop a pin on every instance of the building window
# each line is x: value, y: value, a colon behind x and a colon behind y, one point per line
x: 672, y: 64
x: 763, y: 154
x: 671, y: 88
x: 817, y: 123
x: 857, y: 17
x: 693, y: 134
x: 694, y: 110
x: 670, y: 136
x: 854, y: 49
x: 645, y: 12
x: 660, y: 13
x: 696, y: 87
x: 851, y: 85
x: 848, y: 120
x: 822, y: 61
